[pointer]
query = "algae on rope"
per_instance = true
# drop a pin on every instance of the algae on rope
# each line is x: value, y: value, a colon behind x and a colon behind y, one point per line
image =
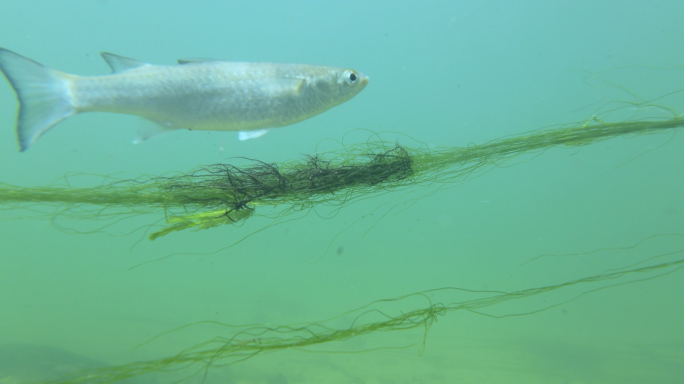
x: 243, y: 343
x: 221, y: 194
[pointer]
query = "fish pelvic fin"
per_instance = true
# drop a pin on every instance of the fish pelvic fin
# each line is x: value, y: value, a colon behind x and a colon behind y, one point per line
x: 120, y: 63
x: 44, y: 96
x: 247, y: 135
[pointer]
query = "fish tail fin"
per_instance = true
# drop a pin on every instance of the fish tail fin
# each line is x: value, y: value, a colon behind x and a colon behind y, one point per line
x: 43, y: 93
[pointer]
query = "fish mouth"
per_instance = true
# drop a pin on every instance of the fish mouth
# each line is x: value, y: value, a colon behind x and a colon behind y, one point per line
x: 364, y: 79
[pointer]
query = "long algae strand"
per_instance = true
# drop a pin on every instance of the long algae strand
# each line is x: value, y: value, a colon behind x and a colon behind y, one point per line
x: 249, y: 342
x: 223, y: 194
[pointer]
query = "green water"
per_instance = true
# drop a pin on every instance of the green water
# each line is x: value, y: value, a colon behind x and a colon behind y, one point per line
x: 445, y: 73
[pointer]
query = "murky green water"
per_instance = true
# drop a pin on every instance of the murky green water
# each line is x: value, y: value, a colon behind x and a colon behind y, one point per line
x: 445, y: 73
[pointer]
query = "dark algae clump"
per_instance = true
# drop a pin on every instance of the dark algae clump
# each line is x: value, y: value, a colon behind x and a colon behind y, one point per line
x: 221, y: 194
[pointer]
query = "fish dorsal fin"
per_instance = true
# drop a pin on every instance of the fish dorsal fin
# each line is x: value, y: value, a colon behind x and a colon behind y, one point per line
x: 194, y: 61
x: 120, y: 63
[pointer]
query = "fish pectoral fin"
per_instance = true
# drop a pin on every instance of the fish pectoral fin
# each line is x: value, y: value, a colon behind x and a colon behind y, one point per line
x: 285, y: 85
x: 246, y: 135
x: 119, y: 63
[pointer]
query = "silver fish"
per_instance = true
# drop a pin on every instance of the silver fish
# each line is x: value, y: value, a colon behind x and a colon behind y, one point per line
x: 209, y: 95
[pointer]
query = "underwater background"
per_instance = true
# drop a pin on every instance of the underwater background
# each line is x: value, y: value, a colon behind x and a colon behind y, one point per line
x: 443, y: 73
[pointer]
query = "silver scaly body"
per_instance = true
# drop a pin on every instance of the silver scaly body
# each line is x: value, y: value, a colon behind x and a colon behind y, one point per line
x: 198, y: 95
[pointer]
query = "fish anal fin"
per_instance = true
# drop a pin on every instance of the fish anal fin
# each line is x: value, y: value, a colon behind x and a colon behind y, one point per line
x: 153, y: 128
x: 120, y: 63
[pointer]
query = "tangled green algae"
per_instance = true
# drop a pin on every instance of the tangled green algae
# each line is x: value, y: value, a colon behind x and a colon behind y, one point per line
x: 221, y: 194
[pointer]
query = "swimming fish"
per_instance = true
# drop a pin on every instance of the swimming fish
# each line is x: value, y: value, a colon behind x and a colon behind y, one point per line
x: 210, y: 95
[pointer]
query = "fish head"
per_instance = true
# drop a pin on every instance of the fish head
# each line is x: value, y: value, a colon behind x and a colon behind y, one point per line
x: 350, y: 82
x: 337, y: 85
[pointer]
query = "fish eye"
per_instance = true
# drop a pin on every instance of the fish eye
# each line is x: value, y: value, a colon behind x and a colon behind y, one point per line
x: 351, y: 77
